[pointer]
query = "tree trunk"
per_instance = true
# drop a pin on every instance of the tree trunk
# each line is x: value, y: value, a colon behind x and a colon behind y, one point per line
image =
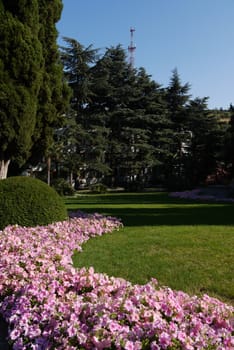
x: 4, y: 164
x: 71, y: 178
x: 48, y: 170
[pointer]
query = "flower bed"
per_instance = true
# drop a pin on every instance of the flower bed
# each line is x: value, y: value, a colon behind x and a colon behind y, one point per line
x: 50, y: 305
x: 198, y: 194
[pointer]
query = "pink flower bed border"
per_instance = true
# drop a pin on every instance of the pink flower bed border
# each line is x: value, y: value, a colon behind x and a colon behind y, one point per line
x: 48, y: 304
x: 196, y: 194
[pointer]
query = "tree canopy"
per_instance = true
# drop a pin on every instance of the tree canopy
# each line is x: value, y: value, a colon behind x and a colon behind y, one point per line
x: 131, y: 131
x: 32, y: 92
x: 121, y: 127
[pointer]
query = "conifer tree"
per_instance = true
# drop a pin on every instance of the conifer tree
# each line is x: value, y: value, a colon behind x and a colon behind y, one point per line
x: 149, y: 126
x: 130, y: 101
x: 20, y: 79
x: 204, y: 143
x: 112, y: 100
x: 89, y: 134
x: 32, y: 92
x: 177, y: 98
x: 54, y: 93
x: 228, y: 151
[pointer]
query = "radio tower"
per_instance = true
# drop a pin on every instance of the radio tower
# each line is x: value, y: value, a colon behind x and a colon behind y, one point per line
x: 131, y: 48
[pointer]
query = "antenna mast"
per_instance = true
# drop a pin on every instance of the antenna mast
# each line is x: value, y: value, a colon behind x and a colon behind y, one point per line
x: 131, y: 48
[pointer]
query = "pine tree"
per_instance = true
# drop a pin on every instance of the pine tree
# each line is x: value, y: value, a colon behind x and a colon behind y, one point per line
x: 177, y: 98
x: 228, y: 147
x: 148, y: 126
x: 90, y: 132
x: 111, y: 101
x: 130, y: 101
x: 204, y: 143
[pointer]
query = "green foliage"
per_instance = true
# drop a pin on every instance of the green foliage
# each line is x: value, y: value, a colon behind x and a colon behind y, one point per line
x: 29, y: 202
x: 204, y: 142
x: 33, y: 94
x: 229, y: 142
x: 20, y: 77
x: 98, y: 188
x: 128, y: 102
x: 177, y: 98
x: 86, y: 139
x: 54, y: 94
x: 131, y: 132
x: 62, y: 187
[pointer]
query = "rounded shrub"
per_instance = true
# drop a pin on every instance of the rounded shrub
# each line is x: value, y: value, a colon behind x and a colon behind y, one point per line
x: 29, y: 202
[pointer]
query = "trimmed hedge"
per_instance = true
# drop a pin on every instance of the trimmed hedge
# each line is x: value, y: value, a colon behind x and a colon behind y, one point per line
x: 29, y: 202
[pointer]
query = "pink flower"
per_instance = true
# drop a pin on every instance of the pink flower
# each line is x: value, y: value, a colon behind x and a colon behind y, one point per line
x: 51, y: 304
x: 164, y: 340
x: 130, y: 345
x: 15, y: 334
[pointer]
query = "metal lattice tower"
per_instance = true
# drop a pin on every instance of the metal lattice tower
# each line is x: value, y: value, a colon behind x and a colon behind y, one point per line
x: 131, y: 48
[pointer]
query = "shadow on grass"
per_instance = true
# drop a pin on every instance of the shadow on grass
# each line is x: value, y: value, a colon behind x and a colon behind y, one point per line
x: 204, y: 215
x: 162, y: 210
x: 123, y: 198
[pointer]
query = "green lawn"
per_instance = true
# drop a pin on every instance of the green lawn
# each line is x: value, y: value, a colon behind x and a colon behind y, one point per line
x: 185, y: 245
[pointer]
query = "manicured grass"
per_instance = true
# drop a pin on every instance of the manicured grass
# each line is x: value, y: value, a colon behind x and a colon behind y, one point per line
x: 185, y: 245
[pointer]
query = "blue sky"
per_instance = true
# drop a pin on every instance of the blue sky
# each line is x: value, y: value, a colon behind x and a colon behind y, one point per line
x: 194, y: 36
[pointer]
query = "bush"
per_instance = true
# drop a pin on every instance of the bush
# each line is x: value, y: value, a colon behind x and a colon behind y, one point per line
x: 98, y: 188
x: 29, y: 202
x: 62, y: 187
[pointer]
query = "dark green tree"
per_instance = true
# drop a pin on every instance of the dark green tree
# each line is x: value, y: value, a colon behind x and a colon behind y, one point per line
x: 54, y: 93
x: 118, y: 98
x: 21, y: 69
x: 228, y: 147
x: 127, y: 126
x: 151, y: 105
x: 148, y: 125
x: 177, y: 98
x: 204, y: 143
x: 33, y: 94
x: 77, y: 60
x: 131, y: 106
x: 88, y: 127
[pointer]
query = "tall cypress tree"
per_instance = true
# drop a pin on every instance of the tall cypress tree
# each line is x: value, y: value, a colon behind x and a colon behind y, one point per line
x: 20, y: 79
x: 32, y: 92
x: 54, y: 93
